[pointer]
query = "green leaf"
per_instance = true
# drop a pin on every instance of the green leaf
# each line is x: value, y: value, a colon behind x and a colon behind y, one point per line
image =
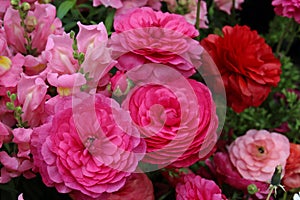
x: 64, y: 8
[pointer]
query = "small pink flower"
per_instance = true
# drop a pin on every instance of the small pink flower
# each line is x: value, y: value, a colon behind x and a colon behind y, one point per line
x: 197, y: 188
x: 257, y: 153
x: 287, y: 8
x: 20, y: 197
x: 66, y: 84
x: 59, y: 54
x: 120, y: 84
x: 32, y: 95
x: 10, y: 70
x: 22, y: 139
x: 5, y: 134
x: 192, y: 15
x: 91, y: 35
x: 4, y: 4
x: 226, y: 5
x: 156, y: 37
x: 113, y: 3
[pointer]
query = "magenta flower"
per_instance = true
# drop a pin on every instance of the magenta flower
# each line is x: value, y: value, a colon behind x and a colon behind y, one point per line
x: 257, y: 153
x: 10, y: 70
x: 287, y: 8
x: 156, y: 37
x: 226, y: 5
x: 86, y: 149
x: 197, y: 188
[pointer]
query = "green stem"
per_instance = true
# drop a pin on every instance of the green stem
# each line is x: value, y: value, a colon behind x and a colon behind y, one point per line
x: 284, y: 196
x: 233, y: 14
x: 197, y: 18
x: 291, y: 39
x: 270, y: 193
x: 282, y: 37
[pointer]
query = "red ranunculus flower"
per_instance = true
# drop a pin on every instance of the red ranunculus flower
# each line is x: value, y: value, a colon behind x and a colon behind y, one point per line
x: 246, y: 63
x: 291, y: 178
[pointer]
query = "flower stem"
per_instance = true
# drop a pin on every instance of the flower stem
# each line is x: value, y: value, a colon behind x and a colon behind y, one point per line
x: 295, y: 31
x: 270, y: 193
x: 282, y: 37
x: 197, y: 18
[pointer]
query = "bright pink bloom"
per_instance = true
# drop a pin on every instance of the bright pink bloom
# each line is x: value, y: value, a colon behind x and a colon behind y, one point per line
x: 226, y: 5
x: 257, y: 153
x: 22, y: 139
x: 5, y: 51
x: 4, y: 4
x: 225, y: 172
x: 35, y: 65
x: 287, y: 8
x: 90, y: 36
x: 85, y: 148
x: 179, y: 126
x: 31, y: 94
x: 10, y: 70
x: 138, y: 186
x: 197, y: 188
x: 59, y: 54
x: 158, y: 38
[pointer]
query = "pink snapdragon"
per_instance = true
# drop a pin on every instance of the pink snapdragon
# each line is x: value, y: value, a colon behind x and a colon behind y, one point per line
x: 287, y: 8
x: 22, y: 139
x: 5, y: 134
x: 10, y: 70
x: 32, y: 95
x: 191, y: 17
x: 226, y: 5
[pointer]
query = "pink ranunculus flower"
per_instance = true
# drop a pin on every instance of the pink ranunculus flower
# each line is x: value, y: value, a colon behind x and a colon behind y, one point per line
x: 179, y: 125
x: 197, y: 188
x: 156, y: 37
x: 138, y: 186
x: 91, y: 35
x: 91, y: 148
x: 226, y: 5
x: 257, y: 153
x: 59, y: 54
x: 10, y: 70
x: 287, y: 8
x: 224, y: 172
x: 32, y: 94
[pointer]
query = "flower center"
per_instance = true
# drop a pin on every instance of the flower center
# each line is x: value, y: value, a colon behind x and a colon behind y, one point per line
x: 5, y: 63
x: 261, y: 150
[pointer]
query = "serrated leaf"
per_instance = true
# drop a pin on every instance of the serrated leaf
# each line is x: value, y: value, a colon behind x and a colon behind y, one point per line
x: 64, y: 8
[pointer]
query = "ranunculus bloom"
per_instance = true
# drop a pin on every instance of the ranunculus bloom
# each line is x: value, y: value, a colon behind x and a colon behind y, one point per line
x: 197, y: 188
x: 257, y: 153
x: 225, y: 172
x: 291, y: 178
x: 178, y: 121
x: 156, y: 37
x: 138, y: 186
x: 287, y: 8
x: 226, y: 5
x: 247, y: 65
x: 85, y: 148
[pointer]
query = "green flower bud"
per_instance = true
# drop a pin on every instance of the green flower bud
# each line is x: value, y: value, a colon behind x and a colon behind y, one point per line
x: 252, y: 189
x: 13, y: 97
x: 25, y: 7
x: 10, y: 106
x: 14, y: 3
x: 276, y: 178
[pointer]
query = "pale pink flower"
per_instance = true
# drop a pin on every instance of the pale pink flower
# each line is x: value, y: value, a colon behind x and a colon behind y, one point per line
x: 179, y: 125
x: 31, y: 92
x: 5, y: 51
x: 42, y: 22
x: 59, y: 54
x: 197, y: 188
x: 20, y: 197
x: 22, y: 139
x: 287, y: 8
x: 156, y: 37
x: 191, y: 17
x: 226, y: 5
x: 85, y: 148
x: 14, y: 167
x: 4, y: 4
x: 10, y: 70
x: 90, y: 36
x: 113, y: 3
x: 257, y: 153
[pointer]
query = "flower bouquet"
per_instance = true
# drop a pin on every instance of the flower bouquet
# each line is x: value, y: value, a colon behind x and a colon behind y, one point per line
x: 149, y: 99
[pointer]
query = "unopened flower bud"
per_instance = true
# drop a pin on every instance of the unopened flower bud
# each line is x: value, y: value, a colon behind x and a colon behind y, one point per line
x: 10, y: 106
x: 14, y: 3
x: 25, y: 7
x: 30, y: 23
x: 252, y: 189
